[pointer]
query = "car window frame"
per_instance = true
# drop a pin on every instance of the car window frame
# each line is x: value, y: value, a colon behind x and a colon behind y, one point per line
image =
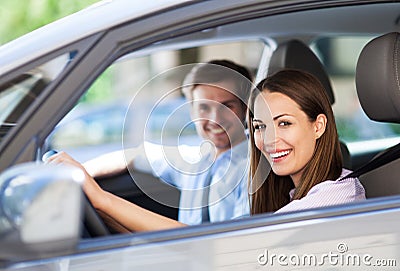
x: 12, y: 147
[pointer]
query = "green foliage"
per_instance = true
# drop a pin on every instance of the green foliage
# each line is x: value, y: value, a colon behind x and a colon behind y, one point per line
x: 101, y: 90
x: 395, y: 128
x: 346, y: 130
x: 22, y: 16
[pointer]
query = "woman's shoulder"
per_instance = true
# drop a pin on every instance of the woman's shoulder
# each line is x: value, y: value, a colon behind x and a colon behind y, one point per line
x: 328, y: 193
x: 344, y: 173
x: 340, y: 180
x: 351, y: 186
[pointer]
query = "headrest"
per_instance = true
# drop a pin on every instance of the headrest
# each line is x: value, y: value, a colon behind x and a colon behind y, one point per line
x: 296, y: 55
x: 377, y: 78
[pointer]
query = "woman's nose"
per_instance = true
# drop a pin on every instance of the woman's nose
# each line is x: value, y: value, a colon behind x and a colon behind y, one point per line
x: 270, y: 137
x: 266, y: 139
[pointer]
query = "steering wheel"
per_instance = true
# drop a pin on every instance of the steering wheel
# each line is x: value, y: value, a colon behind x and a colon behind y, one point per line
x: 93, y: 225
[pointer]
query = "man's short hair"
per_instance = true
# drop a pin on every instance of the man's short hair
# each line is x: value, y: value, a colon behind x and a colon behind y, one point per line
x: 217, y: 71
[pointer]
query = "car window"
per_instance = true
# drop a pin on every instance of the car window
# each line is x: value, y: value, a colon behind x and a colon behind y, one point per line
x: 339, y: 55
x: 138, y: 99
x: 19, y: 93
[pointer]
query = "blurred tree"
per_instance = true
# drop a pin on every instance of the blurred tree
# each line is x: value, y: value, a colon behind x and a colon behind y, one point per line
x: 22, y: 16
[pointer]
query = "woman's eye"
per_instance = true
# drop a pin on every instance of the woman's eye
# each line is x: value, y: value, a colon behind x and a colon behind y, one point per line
x: 259, y: 126
x: 284, y: 123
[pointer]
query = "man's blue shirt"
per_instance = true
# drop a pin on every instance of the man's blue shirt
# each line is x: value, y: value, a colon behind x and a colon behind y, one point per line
x: 187, y: 168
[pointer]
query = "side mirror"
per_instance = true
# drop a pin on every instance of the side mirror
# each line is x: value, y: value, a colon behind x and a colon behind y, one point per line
x: 40, y: 210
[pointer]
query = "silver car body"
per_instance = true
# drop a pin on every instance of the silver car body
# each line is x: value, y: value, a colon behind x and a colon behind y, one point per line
x: 361, y: 235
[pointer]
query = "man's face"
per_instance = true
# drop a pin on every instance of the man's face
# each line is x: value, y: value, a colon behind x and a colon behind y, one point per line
x: 219, y: 115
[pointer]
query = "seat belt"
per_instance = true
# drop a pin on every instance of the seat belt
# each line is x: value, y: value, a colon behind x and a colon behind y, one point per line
x: 205, y: 212
x: 381, y: 159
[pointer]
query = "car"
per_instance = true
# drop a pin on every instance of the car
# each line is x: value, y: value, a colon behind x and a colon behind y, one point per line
x: 137, y: 52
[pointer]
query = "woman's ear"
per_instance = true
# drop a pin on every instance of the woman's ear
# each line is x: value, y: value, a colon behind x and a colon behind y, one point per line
x: 320, y: 125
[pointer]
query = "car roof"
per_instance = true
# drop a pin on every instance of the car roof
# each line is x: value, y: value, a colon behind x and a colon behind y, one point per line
x: 107, y: 14
x: 102, y: 15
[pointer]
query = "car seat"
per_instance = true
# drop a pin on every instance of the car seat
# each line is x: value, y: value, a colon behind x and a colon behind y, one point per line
x: 378, y: 89
x: 294, y: 54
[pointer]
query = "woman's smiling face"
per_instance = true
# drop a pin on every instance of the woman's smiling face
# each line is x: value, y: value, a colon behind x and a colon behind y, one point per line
x: 284, y: 133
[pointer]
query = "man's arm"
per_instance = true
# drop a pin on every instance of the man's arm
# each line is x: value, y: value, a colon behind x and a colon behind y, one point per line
x: 111, y: 163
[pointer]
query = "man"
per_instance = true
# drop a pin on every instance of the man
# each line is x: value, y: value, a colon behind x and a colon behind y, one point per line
x: 212, y: 189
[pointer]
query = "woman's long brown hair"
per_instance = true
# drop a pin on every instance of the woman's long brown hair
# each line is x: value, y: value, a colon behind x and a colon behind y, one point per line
x: 270, y: 192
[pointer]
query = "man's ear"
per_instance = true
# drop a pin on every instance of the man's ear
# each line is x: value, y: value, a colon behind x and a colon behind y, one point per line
x: 320, y: 125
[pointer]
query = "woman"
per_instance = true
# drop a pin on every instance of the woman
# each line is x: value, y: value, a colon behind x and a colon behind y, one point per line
x: 293, y: 132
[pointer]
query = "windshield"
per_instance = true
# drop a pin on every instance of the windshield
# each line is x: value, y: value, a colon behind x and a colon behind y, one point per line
x: 18, y: 94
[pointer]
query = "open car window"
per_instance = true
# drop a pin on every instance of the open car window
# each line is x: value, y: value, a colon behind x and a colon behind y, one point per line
x: 133, y: 99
